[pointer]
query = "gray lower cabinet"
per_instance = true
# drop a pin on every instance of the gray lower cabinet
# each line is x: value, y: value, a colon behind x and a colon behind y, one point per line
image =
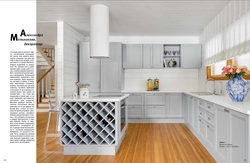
x: 232, y: 143
x: 146, y: 105
x: 97, y: 72
x: 185, y: 107
x: 132, y: 55
x: 135, y: 103
x: 174, y: 105
x: 191, y: 55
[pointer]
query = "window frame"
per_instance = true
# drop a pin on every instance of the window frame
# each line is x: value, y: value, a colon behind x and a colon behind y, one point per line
x: 222, y: 77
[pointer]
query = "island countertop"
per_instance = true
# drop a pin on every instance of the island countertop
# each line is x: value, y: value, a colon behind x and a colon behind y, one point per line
x: 97, y: 97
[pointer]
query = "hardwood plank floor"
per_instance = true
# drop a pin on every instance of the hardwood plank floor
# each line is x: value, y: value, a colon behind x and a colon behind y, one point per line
x: 143, y: 143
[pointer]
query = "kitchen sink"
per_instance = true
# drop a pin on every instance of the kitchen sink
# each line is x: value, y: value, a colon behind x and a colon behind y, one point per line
x: 202, y: 93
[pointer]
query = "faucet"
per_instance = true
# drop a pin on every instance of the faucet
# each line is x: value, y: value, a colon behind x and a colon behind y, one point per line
x: 210, y: 79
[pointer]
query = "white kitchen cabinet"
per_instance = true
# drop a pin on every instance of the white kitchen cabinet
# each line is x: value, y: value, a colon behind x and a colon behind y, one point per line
x: 97, y: 72
x: 89, y: 68
x: 195, y: 110
x: 232, y: 135
x: 191, y: 55
x: 157, y: 55
x: 201, y: 127
x: 136, y: 99
x: 135, y: 111
x: 155, y: 99
x: 135, y: 103
x: 190, y: 110
x: 132, y: 55
x: 210, y: 135
x: 185, y: 107
x: 154, y: 111
x: 111, y: 70
x: 173, y: 105
x: 239, y: 137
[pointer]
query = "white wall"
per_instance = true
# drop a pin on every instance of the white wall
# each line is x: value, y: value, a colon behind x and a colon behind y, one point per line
x: 68, y: 40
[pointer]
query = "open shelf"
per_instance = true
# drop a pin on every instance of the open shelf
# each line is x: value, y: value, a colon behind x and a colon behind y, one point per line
x: 88, y: 123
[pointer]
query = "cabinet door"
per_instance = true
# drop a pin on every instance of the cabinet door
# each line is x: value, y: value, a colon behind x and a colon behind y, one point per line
x: 190, y: 110
x: 147, y: 56
x: 238, y: 127
x: 89, y: 69
x: 154, y: 99
x: 185, y: 106
x: 158, y: 55
x: 132, y: 56
x: 195, y: 109
x: 210, y: 135
x: 201, y: 127
x: 222, y: 133
x: 191, y: 55
x: 135, y: 112
x: 136, y: 99
x: 154, y: 111
x: 173, y: 105
x: 111, y: 69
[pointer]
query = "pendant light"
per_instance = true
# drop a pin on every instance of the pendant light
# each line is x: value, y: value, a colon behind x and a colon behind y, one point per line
x: 99, y: 31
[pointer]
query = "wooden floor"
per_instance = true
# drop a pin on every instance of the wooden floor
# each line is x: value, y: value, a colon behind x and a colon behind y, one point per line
x: 143, y: 143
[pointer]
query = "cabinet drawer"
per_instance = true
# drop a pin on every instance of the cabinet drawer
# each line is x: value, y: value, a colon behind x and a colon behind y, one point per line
x: 210, y: 107
x: 210, y: 118
x: 135, y: 99
x: 201, y: 113
x: 135, y: 112
x: 154, y: 111
x: 201, y: 104
x: 155, y: 99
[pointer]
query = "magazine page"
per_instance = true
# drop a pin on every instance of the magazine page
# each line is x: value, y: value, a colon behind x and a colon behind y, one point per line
x: 18, y: 71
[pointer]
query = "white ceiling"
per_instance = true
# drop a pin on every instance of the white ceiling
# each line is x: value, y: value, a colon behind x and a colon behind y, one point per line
x: 131, y: 18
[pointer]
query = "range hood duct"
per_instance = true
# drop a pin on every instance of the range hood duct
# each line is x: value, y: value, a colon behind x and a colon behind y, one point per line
x: 99, y: 31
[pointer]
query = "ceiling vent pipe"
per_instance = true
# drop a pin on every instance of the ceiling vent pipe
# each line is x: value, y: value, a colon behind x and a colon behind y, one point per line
x: 99, y: 31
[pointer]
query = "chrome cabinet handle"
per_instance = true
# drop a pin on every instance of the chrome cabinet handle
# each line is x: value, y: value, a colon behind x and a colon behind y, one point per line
x: 209, y: 107
x: 207, y: 126
x: 208, y: 118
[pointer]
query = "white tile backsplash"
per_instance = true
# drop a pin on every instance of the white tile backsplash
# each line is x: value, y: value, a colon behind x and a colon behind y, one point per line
x: 175, y: 79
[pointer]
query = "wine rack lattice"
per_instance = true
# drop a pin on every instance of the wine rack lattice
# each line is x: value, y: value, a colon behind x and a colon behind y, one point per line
x: 87, y: 123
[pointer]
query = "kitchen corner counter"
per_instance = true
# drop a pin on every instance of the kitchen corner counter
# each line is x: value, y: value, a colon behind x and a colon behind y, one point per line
x: 225, y: 101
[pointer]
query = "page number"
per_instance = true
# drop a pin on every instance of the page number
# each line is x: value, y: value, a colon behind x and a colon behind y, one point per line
x: 4, y: 159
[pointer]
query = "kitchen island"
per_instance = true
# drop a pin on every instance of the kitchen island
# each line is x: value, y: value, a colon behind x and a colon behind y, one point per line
x: 93, y: 126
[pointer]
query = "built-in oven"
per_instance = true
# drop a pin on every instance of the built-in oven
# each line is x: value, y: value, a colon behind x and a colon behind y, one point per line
x: 123, y: 115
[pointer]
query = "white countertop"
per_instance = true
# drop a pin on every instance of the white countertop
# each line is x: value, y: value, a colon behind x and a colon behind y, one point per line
x: 145, y: 91
x: 225, y: 101
x: 97, y: 98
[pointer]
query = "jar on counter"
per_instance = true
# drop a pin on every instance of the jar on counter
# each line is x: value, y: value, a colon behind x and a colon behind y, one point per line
x: 150, y: 84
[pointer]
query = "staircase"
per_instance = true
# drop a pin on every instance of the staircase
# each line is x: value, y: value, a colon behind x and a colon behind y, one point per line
x: 45, y: 71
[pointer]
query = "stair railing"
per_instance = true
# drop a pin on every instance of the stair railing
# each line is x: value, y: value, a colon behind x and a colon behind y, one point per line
x: 44, y: 83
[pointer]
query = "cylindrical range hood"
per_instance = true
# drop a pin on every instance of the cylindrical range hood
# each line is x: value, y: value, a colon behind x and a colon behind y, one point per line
x: 99, y: 31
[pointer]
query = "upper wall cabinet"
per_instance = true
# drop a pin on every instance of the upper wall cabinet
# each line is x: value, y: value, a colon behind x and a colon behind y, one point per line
x: 132, y: 55
x: 191, y: 55
x: 152, y: 55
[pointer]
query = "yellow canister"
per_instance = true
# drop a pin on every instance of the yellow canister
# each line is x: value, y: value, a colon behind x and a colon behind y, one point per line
x: 150, y: 84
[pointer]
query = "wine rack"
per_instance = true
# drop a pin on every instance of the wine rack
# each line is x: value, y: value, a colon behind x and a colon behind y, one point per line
x: 88, y: 123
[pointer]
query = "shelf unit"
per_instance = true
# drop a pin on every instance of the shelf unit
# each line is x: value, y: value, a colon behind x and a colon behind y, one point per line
x: 88, y: 123
x: 171, y: 53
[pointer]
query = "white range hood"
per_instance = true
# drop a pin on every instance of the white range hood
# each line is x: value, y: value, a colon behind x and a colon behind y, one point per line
x: 99, y: 31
